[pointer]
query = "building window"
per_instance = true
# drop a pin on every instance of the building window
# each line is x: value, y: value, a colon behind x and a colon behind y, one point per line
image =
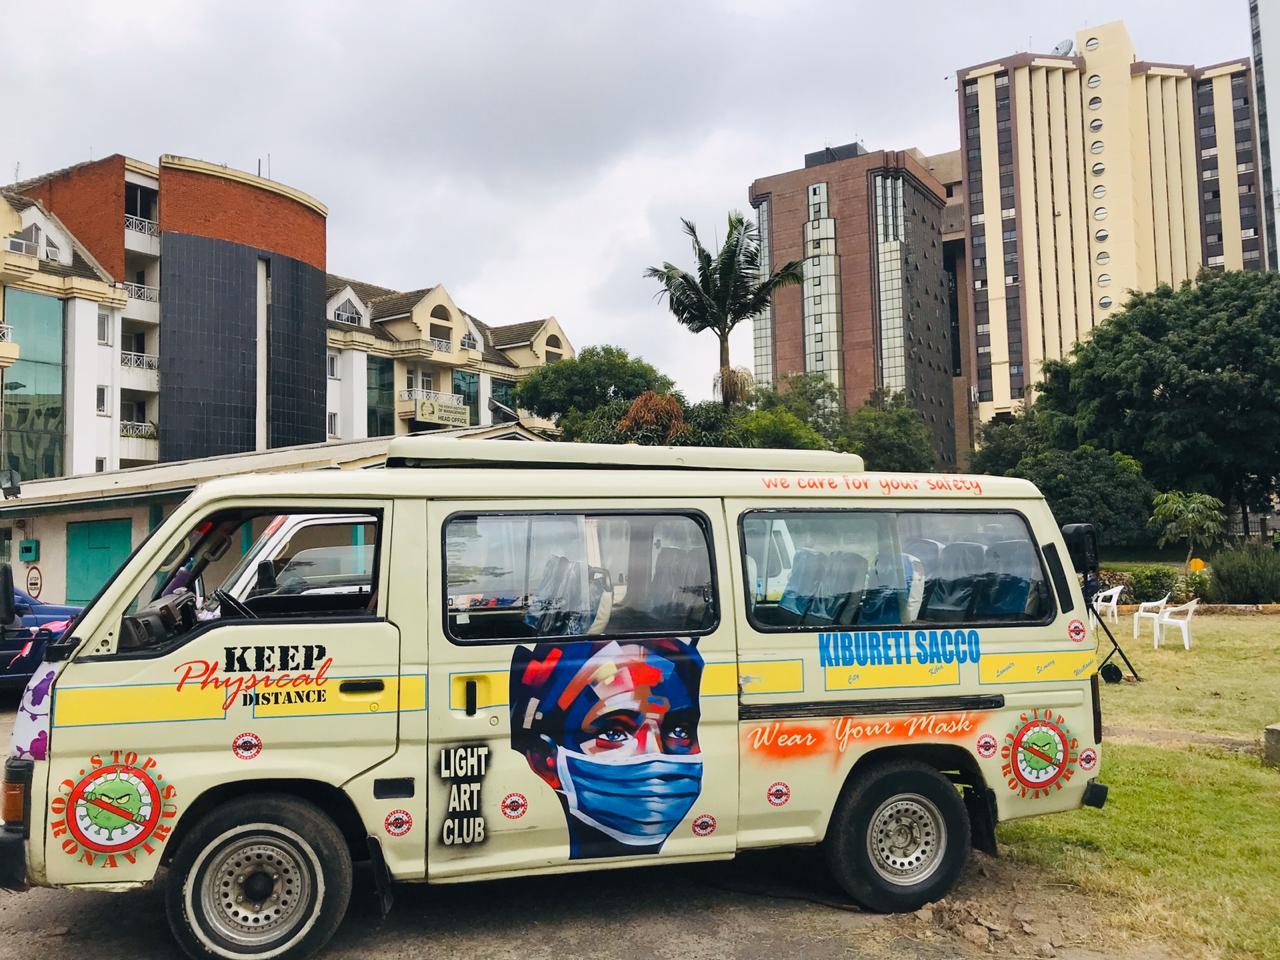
x: 971, y: 88
x: 1100, y: 191
x: 1103, y: 257
x: 1011, y: 280
x: 1250, y: 255
x: 1248, y: 233
x: 1096, y: 147
x: 1091, y: 44
x: 1246, y: 167
x: 104, y: 328
x: 1008, y: 213
x: 1104, y: 279
x: 1215, y: 261
x: 331, y: 422
x: 1094, y: 80
x: 1102, y: 236
x: 1099, y: 169
x: 1099, y: 213
x: 100, y: 465
x: 1208, y: 152
x: 1246, y: 188
x: 1105, y: 303
x: 1002, y: 80
x: 104, y: 405
x: 1209, y: 173
x: 331, y: 361
x: 467, y: 385
x: 1095, y: 124
x: 979, y: 284
x: 380, y: 399
x: 1213, y: 216
x: 977, y: 218
x: 1095, y: 103
x: 1212, y: 238
x: 346, y: 312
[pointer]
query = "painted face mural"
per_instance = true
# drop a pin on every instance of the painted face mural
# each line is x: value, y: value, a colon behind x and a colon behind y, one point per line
x: 612, y: 726
x: 30, y: 737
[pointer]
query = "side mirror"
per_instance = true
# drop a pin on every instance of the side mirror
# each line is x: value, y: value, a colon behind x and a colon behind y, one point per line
x: 1082, y: 545
x: 266, y: 577
x: 6, y: 595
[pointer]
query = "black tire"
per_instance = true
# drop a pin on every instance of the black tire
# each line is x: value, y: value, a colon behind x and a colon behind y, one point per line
x: 922, y: 837
x: 272, y: 846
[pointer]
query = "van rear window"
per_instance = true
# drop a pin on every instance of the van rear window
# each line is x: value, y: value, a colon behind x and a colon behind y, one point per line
x: 517, y: 577
x: 810, y: 568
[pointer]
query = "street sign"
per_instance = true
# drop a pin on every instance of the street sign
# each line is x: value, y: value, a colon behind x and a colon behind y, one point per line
x: 35, y: 582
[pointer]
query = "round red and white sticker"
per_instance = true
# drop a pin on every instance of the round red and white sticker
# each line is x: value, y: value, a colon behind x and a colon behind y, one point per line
x: 704, y: 825
x: 1076, y: 631
x: 778, y: 794
x: 515, y: 806
x: 1088, y: 758
x: 398, y: 823
x: 246, y: 746
x: 987, y: 746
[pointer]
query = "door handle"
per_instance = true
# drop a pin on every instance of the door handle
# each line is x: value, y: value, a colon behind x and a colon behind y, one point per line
x: 470, y: 695
x: 361, y: 686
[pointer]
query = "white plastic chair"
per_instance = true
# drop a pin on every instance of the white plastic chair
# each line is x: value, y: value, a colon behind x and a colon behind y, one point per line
x: 1107, y: 603
x: 1179, y: 617
x: 1150, y: 610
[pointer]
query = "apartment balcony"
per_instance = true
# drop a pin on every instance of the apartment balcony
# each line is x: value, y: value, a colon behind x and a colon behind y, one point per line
x: 432, y: 406
x: 141, y: 235
x: 139, y: 441
x: 8, y: 348
x: 140, y: 371
x: 143, y: 303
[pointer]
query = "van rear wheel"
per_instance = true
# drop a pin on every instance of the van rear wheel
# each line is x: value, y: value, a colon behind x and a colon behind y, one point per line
x: 899, y: 838
x: 265, y: 877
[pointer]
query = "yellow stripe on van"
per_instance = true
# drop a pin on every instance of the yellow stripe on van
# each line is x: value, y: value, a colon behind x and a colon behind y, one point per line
x: 881, y: 676
x: 492, y: 689
x: 146, y: 703
x: 1045, y: 666
x: 771, y: 676
x: 336, y: 703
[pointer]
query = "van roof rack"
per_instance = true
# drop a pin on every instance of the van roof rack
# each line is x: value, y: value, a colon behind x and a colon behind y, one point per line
x: 420, y: 452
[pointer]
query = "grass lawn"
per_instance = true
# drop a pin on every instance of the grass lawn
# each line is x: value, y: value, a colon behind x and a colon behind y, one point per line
x: 1188, y: 845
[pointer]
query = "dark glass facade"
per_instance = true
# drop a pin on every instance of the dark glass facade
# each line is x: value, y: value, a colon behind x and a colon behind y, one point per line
x: 210, y: 291
x: 503, y: 391
x: 381, y: 397
x: 34, y: 411
x: 467, y: 385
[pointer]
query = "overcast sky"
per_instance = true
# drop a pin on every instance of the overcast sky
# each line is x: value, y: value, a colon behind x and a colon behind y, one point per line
x: 534, y: 157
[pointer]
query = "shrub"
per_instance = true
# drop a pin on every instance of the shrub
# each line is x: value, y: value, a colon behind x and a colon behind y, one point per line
x: 1151, y: 582
x: 1246, y: 574
x: 1191, y: 587
x: 1116, y: 578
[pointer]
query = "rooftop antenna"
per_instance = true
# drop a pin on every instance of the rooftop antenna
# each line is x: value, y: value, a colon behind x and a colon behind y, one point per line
x: 17, y: 167
x: 268, y: 166
x: 259, y: 166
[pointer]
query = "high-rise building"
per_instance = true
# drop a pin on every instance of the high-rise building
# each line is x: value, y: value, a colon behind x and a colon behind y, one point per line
x: 224, y: 280
x: 1089, y: 174
x: 873, y: 311
x: 1264, y: 28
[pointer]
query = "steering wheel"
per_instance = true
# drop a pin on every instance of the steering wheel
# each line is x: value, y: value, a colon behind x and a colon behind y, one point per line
x: 224, y: 597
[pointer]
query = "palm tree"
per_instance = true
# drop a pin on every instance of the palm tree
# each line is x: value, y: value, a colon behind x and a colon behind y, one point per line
x: 728, y: 287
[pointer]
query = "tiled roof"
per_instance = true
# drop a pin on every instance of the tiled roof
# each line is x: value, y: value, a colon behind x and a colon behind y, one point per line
x: 396, y: 304
x: 489, y: 353
x: 83, y: 264
x: 516, y: 334
x: 365, y: 291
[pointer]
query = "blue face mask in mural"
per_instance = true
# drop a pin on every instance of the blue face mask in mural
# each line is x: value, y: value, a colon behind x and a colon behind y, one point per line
x: 612, y: 727
x: 638, y: 801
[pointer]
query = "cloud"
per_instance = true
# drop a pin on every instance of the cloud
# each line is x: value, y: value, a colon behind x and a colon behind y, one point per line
x: 533, y: 157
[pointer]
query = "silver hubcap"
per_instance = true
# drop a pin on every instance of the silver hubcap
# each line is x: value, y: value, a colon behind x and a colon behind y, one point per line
x: 256, y: 890
x: 906, y: 839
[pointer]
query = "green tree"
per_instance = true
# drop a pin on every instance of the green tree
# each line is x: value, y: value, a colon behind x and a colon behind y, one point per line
x: 596, y: 376
x: 725, y: 288
x: 1086, y: 485
x: 1187, y: 381
x: 889, y: 435
x: 780, y: 429
x: 1004, y: 442
x: 1193, y: 517
x: 810, y: 397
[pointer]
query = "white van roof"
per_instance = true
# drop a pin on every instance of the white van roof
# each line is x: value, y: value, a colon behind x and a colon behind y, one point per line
x: 450, y: 452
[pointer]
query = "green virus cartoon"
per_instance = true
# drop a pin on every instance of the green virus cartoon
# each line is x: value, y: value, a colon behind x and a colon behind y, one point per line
x: 113, y: 804
x: 1043, y: 752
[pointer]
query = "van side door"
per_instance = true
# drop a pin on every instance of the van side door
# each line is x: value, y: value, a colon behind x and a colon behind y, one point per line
x: 582, y: 683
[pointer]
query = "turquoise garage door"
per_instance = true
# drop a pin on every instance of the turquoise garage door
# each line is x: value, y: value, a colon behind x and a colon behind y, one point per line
x: 95, y: 550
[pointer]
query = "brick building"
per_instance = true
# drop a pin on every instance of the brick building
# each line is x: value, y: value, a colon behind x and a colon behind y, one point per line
x: 874, y: 309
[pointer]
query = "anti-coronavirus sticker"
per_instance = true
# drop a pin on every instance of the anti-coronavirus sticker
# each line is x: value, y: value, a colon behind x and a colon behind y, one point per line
x: 116, y: 807
x: 1040, y: 754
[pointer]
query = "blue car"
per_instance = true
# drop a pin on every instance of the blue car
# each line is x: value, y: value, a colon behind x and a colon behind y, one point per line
x: 30, y: 616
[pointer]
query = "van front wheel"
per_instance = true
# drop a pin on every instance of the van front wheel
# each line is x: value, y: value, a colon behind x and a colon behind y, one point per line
x: 899, y: 838
x: 265, y: 877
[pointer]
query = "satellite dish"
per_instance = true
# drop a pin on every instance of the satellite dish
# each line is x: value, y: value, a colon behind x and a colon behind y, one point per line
x: 1064, y: 48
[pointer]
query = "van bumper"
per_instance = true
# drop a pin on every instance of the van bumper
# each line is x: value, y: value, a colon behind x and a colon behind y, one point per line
x: 14, y: 832
x: 1095, y: 794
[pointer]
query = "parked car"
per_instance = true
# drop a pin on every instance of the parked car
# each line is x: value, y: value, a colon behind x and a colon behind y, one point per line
x: 34, y: 622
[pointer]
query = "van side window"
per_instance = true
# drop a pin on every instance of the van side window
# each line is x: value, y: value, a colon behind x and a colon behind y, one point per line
x: 891, y: 568
x: 256, y: 564
x: 518, y: 577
